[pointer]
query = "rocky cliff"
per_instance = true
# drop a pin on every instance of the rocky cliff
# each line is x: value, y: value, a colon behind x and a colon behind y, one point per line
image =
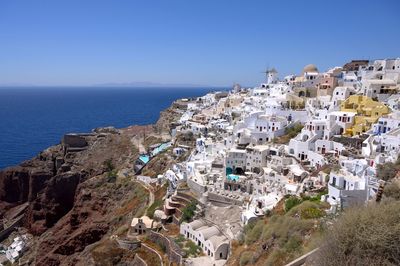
x: 72, y: 202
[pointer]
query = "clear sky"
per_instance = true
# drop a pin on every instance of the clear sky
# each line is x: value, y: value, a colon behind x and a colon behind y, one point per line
x: 214, y: 42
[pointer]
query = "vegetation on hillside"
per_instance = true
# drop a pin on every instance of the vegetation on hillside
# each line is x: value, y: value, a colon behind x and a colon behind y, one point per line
x: 159, y: 164
x: 392, y: 190
x: 388, y: 171
x: 158, y: 200
x: 292, y: 201
x: 110, y: 170
x: 188, y: 212
x: 290, y: 132
x: 294, y: 130
x: 364, y: 236
x: 280, y: 238
x: 189, y: 248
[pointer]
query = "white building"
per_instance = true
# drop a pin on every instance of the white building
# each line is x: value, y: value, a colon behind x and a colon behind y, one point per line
x: 256, y: 157
x: 208, y: 237
x: 235, y: 161
x: 345, y: 189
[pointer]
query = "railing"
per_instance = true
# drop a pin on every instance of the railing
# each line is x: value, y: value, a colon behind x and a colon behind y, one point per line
x: 302, y: 260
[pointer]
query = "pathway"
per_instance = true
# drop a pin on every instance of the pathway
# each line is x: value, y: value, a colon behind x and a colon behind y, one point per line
x: 150, y: 190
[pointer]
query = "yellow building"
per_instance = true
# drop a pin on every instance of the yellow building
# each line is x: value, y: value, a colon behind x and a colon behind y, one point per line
x: 368, y: 111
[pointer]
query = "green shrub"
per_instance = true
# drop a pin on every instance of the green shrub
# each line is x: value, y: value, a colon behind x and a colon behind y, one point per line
x: 284, y: 227
x: 291, y: 202
x: 307, y: 210
x: 311, y: 213
x: 277, y: 257
x: 180, y: 239
x: 153, y: 207
x: 192, y: 249
x: 294, y: 130
x: 316, y: 198
x: 189, y: 211
x: 293, y: 244
x: 254, y: 234
x: 112, y: 176
x: 110, y: 170
x: 246, y: 258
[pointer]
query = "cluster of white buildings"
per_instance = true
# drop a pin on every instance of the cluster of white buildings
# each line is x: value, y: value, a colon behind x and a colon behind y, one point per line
x: 16, y: 249
x: 349, y: 121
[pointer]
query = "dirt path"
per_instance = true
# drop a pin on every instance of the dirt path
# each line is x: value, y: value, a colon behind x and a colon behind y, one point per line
x: 151, y: 193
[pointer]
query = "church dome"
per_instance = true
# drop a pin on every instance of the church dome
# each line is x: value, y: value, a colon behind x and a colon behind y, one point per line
x: 310, y: 68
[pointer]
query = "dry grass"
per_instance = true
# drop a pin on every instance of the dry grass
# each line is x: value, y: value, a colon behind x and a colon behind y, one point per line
x: 137, y: 201
x: 149, y: 257
x: 108, y: 252
x: 173, y: 229
x: 158, y: 248
x: 364, y: 236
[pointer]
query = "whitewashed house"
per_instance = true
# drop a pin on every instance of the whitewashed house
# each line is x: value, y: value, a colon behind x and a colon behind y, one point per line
x: 235, y: 161
x: 345, y: 189
x: 208, y: 237
x: 256, y: 157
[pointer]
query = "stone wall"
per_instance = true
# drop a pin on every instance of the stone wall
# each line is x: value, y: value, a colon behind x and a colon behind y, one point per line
x: 171, y: 248
x: 221, y: 199
x: 74, y: 141
x: 196, y: 188
x: 175, y: 220
x: 186, y: 196
x: 129, y: 244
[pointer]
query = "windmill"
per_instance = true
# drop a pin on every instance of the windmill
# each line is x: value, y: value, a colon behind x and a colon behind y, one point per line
x: 271, y: 75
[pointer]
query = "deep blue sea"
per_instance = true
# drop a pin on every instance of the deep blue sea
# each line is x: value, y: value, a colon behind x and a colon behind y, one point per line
x: 32, y: 119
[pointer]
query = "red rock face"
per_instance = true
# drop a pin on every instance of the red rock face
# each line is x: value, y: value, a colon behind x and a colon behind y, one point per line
x: 52, y: 203
x: 23, y: 183
x: 51, y: 195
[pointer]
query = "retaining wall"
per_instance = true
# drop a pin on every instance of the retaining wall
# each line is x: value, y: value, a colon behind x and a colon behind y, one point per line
x: 171, y: 249
x: 129, y: 244
x: 222, y: 199
x: 195, y: 187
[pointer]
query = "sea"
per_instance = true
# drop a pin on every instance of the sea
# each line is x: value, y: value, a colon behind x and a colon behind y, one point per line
x: 34, y: 118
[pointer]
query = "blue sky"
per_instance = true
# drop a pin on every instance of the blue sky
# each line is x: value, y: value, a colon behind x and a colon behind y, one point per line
x: 215, y: 42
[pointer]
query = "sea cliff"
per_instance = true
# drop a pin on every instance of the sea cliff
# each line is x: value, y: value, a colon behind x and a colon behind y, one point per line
x: 71, y: 201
